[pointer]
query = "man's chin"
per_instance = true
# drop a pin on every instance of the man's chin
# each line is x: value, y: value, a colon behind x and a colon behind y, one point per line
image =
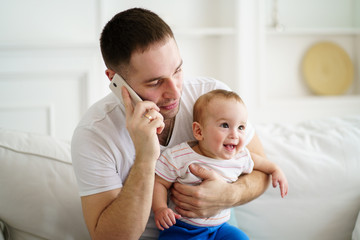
x: 170, y: 113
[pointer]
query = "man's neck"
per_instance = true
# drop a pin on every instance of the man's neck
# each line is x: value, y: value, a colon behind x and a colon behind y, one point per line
x: 165, y: 136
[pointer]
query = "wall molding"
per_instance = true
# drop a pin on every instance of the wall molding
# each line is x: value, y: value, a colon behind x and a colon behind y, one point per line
x: 45, y: 113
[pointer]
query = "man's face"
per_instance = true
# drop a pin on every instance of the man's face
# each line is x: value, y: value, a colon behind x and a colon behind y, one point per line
x: 156, y: 75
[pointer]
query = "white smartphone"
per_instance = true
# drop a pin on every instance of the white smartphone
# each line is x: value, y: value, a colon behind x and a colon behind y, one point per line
x: 115, y: 85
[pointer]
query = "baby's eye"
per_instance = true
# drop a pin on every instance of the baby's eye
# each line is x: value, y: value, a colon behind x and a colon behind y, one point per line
x: 242, y: 127
x: 178, y: 70
x: 224, y: 125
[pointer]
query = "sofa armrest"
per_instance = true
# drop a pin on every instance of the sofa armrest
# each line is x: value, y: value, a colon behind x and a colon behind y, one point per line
x: 38, y: 189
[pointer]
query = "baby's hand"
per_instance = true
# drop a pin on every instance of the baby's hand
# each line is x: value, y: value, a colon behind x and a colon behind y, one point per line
x: 278, y: 177
x: 165, y: 218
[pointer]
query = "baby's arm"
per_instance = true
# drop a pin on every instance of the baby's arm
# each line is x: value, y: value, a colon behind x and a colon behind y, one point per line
x: 164, y: 216
x: 277, y: 175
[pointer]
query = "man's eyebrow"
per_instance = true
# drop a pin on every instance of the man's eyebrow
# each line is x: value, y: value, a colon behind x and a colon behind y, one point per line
x: 158, y: 78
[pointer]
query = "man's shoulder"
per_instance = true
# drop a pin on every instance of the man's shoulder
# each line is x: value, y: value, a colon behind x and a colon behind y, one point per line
x: 101, y: 110
x: 200, y: 81
x: 102, y: 120
x: 194, y: 87
x: 201, y: 85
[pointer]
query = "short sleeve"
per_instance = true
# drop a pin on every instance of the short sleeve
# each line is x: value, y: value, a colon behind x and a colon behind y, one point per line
x: 94, y: 166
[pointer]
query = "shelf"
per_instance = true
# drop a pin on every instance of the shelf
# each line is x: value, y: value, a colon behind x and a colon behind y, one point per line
x: 318, y: 100
x: 18, y: 46
x: 226, y: 31
x: 314, y: 31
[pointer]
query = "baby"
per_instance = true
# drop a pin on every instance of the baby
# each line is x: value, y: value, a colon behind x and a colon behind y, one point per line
x: 219, y: 124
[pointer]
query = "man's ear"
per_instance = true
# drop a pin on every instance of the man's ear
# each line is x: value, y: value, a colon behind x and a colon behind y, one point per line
x: 110, y: 74
x: 197, y: 131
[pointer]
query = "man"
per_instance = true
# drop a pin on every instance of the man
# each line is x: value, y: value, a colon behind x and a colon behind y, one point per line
x: 115, y: 146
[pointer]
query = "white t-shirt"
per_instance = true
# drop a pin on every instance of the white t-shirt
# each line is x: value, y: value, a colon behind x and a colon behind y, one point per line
x: 103, y: 152
x: 173, y: 166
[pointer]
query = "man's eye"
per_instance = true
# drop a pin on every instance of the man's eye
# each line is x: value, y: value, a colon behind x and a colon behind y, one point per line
x: 224, y: 125
x: 154, y: 83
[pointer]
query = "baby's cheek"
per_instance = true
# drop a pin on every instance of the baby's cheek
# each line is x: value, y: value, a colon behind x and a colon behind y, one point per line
x: 241, y: 141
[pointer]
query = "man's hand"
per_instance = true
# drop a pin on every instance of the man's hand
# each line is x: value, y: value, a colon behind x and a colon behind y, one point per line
x: 143, y: 131
x: 204, y: 200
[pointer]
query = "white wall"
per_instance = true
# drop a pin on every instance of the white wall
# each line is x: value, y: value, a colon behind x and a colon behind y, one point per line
x: 51, y: 69
x: 283, y: 93
x: 49, y: 64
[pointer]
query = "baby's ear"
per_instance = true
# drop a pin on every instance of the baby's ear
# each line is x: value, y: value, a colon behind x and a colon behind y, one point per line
x: 197, y: 131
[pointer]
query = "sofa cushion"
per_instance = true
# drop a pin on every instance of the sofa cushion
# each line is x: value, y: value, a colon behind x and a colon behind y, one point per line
x: 321, y: 159
x: 356, y: 232
x: 38, y: 190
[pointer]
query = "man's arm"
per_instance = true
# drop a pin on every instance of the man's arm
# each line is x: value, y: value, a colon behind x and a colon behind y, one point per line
x: 123, y: 213
x: 214, y: 194
x: 255, y: 183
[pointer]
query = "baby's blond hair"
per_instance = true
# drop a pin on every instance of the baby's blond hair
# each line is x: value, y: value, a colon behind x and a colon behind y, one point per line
x: 203, y: 101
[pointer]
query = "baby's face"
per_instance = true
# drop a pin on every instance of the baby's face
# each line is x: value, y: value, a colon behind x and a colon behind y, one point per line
x: 223, y: 128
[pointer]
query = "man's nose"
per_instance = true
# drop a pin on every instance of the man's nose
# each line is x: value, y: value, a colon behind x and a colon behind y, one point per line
x: 172, y: 88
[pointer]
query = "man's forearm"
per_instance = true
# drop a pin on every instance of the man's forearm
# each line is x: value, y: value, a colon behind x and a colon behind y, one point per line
x: 126, y: 217
x: 248, y: 187
x: 214, y: 194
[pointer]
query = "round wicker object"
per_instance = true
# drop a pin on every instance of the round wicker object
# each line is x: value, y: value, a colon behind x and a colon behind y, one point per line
x: 327, y: 69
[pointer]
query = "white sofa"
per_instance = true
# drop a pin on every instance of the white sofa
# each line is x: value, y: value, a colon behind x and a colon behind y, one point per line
x: 38, y: 191
x: 321, y: 158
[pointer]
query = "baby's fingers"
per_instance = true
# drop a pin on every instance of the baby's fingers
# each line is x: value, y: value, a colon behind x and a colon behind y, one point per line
x: 166, y: 222
x: 275, y: 183
x: 174, y: 217
x: 158, y: 225
x: 283, y: 189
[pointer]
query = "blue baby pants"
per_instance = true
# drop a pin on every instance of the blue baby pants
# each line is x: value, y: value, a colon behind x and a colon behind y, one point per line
x: 186, y: 231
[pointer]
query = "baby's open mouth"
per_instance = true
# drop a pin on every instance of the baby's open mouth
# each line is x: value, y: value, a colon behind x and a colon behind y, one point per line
x: 230, y: 146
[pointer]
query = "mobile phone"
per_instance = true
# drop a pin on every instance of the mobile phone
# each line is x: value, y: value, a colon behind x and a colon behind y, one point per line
x: 115, y: 85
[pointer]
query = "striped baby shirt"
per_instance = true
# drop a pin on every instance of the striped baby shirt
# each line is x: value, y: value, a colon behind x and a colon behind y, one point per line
x: 173, y: 166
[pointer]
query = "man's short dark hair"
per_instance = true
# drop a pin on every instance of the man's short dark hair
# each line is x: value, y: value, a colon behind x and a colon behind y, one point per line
x: 132, y: 30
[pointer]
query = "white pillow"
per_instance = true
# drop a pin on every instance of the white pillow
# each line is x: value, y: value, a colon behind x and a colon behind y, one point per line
x: 38, y: 190
x: 321, y: 160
